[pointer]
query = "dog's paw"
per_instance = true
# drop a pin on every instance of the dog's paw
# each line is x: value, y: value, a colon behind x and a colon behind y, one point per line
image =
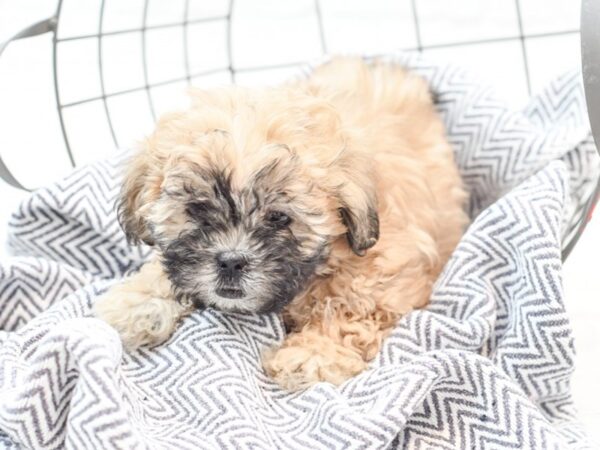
x: 307, y: 358
x: 139, y: 319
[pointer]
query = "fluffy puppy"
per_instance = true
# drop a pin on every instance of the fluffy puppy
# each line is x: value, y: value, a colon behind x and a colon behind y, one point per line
x: 334, y: 199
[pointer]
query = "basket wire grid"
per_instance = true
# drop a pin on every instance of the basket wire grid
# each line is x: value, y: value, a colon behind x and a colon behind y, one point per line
x: 229, y: 69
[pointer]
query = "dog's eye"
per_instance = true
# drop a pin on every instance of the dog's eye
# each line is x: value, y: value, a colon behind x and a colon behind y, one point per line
x: 199, y: 211
x: 278, y: 218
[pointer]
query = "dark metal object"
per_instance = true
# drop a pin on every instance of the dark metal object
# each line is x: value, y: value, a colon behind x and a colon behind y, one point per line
x: 523, y: 46
x: 590, y: 65
x: 590, y: 59
x: 42, y: 27
x: 590, y: 31
x: 229, y: 42
x: 56, y: 87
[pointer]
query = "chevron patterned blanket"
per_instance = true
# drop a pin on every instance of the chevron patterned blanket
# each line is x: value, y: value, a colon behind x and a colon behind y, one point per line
x: 486, y: 365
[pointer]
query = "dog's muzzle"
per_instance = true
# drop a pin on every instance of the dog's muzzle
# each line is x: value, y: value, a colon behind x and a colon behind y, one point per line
x: 231, y: 267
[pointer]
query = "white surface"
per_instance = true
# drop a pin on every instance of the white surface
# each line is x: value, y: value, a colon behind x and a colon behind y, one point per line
x: 30, y: 141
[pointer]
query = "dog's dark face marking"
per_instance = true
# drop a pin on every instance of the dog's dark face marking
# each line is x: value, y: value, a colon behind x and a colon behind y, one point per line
x: 247, y: 249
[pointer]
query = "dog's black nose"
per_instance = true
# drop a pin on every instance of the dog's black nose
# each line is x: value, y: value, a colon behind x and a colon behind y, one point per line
x: 231, y: 264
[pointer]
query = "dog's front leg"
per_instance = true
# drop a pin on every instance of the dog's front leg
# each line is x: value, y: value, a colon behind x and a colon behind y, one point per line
x: 141, y: 307
x: 309, y: 356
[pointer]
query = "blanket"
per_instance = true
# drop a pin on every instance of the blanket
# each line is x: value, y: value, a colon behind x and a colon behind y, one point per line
x: 486, y: 365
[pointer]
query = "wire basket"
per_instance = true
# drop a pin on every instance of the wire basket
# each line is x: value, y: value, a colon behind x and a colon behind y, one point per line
x: 165, y: 46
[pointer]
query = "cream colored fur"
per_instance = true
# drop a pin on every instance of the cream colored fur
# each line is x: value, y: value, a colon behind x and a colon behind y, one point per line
x: 373, y: 140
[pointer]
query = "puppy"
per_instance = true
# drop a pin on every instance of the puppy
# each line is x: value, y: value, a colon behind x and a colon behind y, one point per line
x: 334, y: 200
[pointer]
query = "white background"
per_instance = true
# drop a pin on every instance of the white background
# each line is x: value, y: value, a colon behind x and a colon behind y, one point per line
x: 270, y: 32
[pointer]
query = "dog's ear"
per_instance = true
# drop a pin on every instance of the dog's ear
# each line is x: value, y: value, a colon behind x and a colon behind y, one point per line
x: 132, y: 201
x: 351, y: 174
x: 359, y: 214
